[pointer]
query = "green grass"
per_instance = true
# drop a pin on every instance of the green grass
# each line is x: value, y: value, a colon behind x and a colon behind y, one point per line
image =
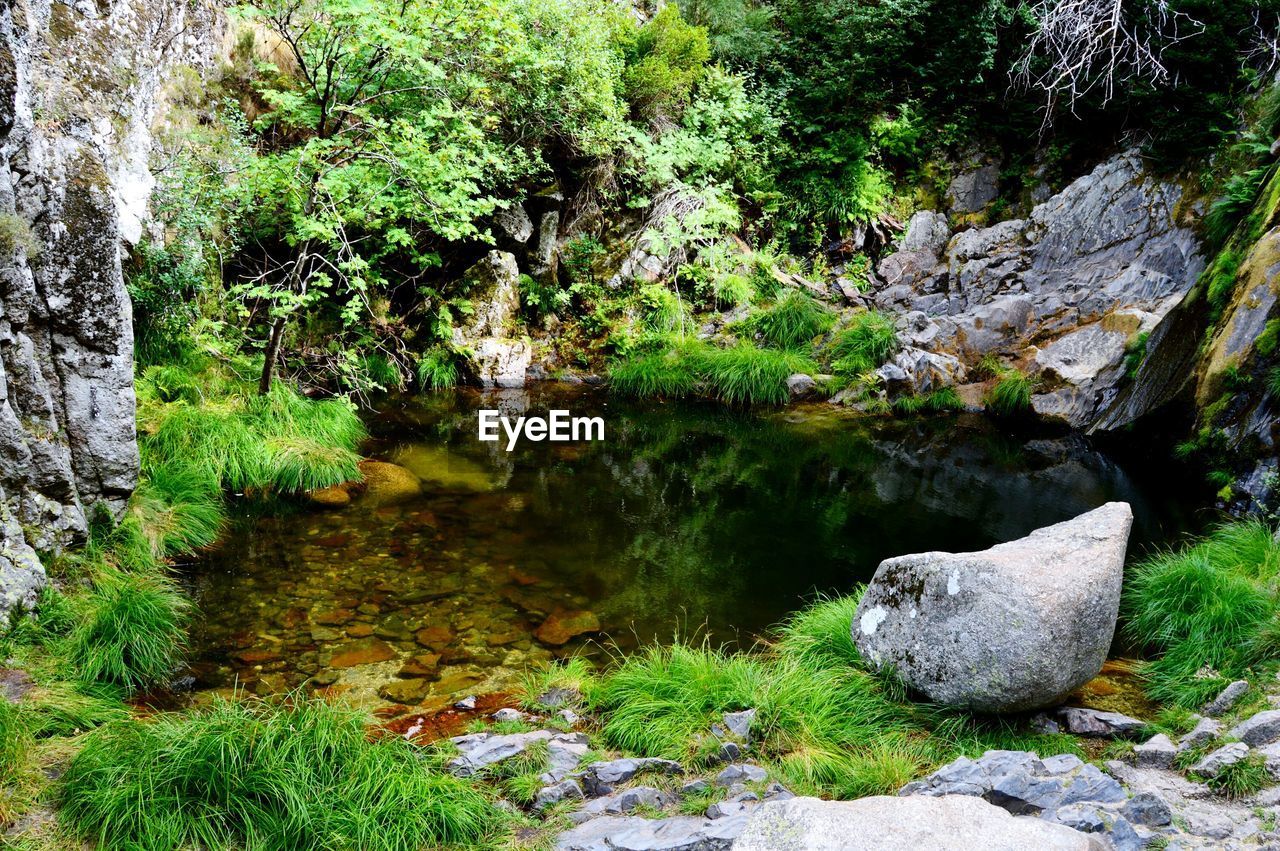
x: 826, y: 723
x: 1209, y: 610
x: 1011, y: 395
x: 743, y: 374
x: 437, y: 369
x: 868, y: 341
x: 666, y: 375
x: 1241, y: 779
x: 15, y: 750
x: 135, y: 633
x: 739, y: 374
x: 793, y: 320
x: 270, y: 776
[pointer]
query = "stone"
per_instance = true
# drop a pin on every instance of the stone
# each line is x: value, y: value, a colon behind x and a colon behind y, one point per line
x: 1212, y: 764
x: 600, y: 777
x: 1069, y: 289
x: 739, y: 723
x: 563, y: 756
x: 364, y: 651
x: 334, y: 496
x: 513, y: 222
x: 405, y: 691
x: 694, y: 787
x: 1226, y: 699
x: 467, y: 703
x: 1206, y: 730
x: 1156, y: 752
x: 1021, y: 782
x: 724, y: 809
x: 729, y: 752
x: 926, y: 231
x: 632, y: 833
x: 621, y: 803
x: 565, y: 790
x: 558, y: 696
x: 884, y: 823
x: 388, y: 484
x: 479, y: 750
x: 1148, y: 810
x: 1094, y: 722
x: 507, y: 714
x: 1260, y: 729
x: 1009, y: 629
x: 741, y: 773
x: 437, y: 637
x: 800, y: 386
x: 496, y: 357
x: 563, y: 625
x: 974, y: 189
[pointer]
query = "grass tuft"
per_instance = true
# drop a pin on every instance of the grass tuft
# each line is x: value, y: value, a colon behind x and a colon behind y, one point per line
x: 134, y: 636
x: 297, y: 775
x: 792, y: 321
x: 1011, y: 395
x: 1209, y: 610
x: 868, y: 341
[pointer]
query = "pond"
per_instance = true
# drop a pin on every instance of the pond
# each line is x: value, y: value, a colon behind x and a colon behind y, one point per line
x: 687, y: 518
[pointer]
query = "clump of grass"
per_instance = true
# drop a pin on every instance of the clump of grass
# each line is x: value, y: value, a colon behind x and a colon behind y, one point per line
x: 868, y: 341
x: 178, y: 508
x: 668, y: 375
x: 437, y: 369
x: 62, y: 710
x: 1011, y: 394
x: 15, y: 748
x: 743, y: 374
x: 296, y: 775
x: 1241, y: 779
x: 135, y: 634
x: 795, y: 319
x: 1210, y: 610
x: 740, y: 374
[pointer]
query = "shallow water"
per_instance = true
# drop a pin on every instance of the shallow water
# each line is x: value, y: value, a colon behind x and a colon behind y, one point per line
x: 686, y: 517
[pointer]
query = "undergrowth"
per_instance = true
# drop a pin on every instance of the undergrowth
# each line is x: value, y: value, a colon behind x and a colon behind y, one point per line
x: 737, y: 374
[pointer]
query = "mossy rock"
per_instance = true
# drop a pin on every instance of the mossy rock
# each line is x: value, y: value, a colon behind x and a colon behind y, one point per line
x: 387, y: 484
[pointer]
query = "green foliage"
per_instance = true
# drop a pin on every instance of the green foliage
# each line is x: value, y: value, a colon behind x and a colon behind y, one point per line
x: 869, y: 340
x: 294, y: 775
x: 794, y: 320
x: 662, y: 310
x: 669, y: 375
x: 1210, y: 611
x: 540, y: 299
x: 665, y: 59
x: 135, y: 633
x: 743, y: 374
x: 437, y: 369
x: 1135, y: 354
x: 1241, y: 779
x: 15, y: 742
x: 1011, y: 394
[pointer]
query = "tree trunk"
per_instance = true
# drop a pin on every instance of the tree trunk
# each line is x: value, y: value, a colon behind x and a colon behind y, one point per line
x: 297, y: 281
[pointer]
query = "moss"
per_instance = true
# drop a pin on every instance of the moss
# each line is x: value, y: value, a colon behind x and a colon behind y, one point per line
x: 16, y: 235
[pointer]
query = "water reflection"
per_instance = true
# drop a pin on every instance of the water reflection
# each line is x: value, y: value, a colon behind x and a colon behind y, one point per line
x: 685, y: 515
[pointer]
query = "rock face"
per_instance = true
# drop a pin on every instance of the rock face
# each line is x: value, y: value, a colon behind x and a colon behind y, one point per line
x: 1068, y: 290
x: 80, y: 87
x: 498, y: 358
x: 1012, y: 628
x: 910, y: 824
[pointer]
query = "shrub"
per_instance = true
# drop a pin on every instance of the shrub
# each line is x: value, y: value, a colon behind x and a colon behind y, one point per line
x: 795, y: 319
x: 1209, y: 610
x: 868, y: 342
x: 134, y: 636
x: 665, y: 59
x: 297, y: 775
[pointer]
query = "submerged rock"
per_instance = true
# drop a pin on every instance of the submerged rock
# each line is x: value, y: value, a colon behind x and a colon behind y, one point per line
x: 445, y: 469
x: 883, y: 823
x: 1009, y: 629
x: 562, y: 625
x: 388, y: 484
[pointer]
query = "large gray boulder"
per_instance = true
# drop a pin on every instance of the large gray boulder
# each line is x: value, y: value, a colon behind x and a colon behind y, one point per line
x: 881, y: 823
x: 1013, y: 628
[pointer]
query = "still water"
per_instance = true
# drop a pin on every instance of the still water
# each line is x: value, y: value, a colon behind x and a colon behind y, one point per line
x: 687, y: 517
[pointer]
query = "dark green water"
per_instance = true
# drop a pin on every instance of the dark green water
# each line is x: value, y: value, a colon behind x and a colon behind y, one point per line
x: 688, y: 517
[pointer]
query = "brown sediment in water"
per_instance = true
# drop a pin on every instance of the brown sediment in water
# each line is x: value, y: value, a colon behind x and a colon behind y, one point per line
x: 424, y: 728
x: 1117, y: 688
